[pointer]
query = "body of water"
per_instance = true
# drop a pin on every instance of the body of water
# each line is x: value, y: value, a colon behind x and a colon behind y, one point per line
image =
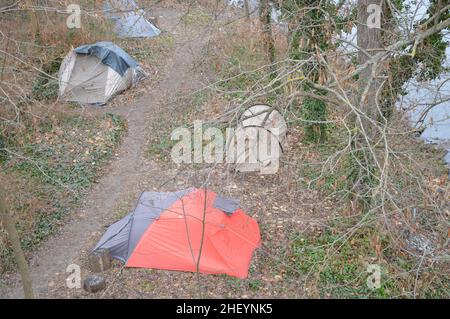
x: 420, y: 106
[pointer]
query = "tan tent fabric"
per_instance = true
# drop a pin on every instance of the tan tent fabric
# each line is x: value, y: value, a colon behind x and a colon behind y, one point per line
x: 87, y: 80
x: 83, y: 78
x: 258, y: 140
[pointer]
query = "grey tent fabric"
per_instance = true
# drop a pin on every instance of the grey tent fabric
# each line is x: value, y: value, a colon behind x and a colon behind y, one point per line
x: 110, y: 55
x: 228, y: 205
x: 253, y: 4
x: 116, y: 238
x: 129, y: 20
x: 275, y: 13
x: 122, y: 237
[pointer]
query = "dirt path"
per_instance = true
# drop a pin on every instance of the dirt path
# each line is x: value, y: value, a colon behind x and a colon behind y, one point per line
x: 276, y: 201
x: 124, y: 175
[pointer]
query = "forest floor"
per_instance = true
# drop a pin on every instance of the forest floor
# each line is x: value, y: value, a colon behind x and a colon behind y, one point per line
x: 290, y: 216
x: 136, y: 168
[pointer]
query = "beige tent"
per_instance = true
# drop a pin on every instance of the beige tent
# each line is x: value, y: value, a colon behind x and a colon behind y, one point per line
x: 92, y: 74
x: 259, y: 140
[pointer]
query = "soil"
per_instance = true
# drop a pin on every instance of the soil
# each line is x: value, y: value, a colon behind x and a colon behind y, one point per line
x: 274, y: 201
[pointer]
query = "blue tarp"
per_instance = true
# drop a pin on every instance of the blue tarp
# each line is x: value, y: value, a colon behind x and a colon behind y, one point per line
x: 110, y: 55
x: 129, y: 20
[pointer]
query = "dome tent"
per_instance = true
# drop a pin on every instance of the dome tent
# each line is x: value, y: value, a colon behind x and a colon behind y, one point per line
x: 92, y: 74
x: 253, y: 6
x: 261, y: 132
x: 165, y: 231
x: 129, y: 20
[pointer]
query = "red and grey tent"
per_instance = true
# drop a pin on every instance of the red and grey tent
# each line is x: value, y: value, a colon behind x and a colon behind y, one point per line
x: 180, y: 230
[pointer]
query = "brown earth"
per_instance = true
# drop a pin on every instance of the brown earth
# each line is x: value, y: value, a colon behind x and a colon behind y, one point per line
x: 275, y: 201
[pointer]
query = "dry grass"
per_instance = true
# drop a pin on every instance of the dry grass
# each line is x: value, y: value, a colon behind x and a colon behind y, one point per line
x: 53, y: 154
x: 317, y: 242
x: 48, y: 172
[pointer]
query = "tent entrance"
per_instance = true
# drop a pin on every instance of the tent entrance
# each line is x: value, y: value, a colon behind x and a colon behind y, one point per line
x: 87, y: 81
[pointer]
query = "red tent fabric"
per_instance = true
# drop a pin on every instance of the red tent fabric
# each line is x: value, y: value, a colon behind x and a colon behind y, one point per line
x: 191, y: 232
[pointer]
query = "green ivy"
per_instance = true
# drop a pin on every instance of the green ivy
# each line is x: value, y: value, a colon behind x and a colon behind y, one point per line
x: 46, y: 87
x: 310, y: 30
x: 425, y: 63
x: 314, y: 110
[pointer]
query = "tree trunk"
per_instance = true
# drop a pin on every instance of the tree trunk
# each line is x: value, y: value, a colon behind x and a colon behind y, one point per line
x: 370, y: 42
x: 35, y: 32
x: 247, y: 10
x: 266, y: 24
x: 9, y: 224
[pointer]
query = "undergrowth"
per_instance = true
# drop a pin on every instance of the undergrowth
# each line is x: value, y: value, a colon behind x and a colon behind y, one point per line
x: 48, y: 171
x: 334, y: 262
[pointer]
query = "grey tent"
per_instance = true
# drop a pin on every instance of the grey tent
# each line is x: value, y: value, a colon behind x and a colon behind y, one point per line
x: 275, y: 13
x: 129, y: 20
x: 253, y: 4
x: 93, y: 73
